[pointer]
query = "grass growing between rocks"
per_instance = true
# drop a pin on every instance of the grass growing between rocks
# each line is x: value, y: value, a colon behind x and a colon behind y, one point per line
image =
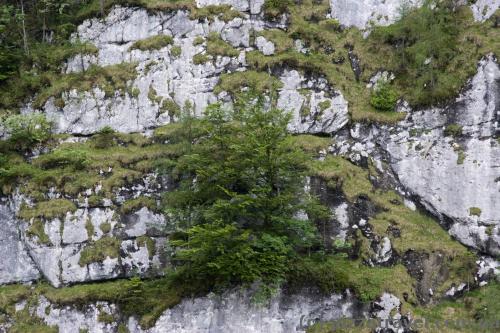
x: 454, y: 51
x: 335, y: 273
x: 479, y: 309
x: 152, y: 43
x: 111, y: 79
x: 417, y: 231
x: 145, y: 299
x: 72, y: 168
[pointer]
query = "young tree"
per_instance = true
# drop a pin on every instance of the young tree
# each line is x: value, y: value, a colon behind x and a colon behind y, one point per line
x: 240, y: 197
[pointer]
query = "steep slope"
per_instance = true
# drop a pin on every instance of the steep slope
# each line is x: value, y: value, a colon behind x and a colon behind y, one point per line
x: 86, y: 208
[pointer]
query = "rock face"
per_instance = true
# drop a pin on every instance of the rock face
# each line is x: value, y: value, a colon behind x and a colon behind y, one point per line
x: 16, y: 264
x: 231, y: 312
x: 67, y: 249
x: 166, y: 77
x: 364, y: 14
x: 456, y: 177
x: 447, y: 158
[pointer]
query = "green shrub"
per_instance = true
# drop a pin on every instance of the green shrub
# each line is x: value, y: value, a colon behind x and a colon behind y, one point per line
x: 273, y: 9
x: 133, y: 205
x: 63, y: 158
x: 384, y: 97
x: 454, y: 130
x: 105, y: 138
x: 200, y: 58
x: 100, y: 250
x: 55, y: 208
x: 170, y: 106
x: 176, y: 51
x: 216, y: 46
x: 475, y: 211
x: 27, y: 130
x: 198, y: 41
x: 152, y: 43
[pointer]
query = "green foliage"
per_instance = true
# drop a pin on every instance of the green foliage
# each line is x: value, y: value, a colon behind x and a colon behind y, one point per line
x: 237, y: 221
x: 384, y: 97
x: 210, y: 12
x: 111, y: 79
x: 273, y: 9
x: 259, y: 82
x: 176, y: 51
x: 63, y: 158
x: 106, y: 318
x: 152, y: 43
x: 200, y: 58
x: 453, y: 130
x: 198, y: 41
x: 218, y: 47
x: 36, y: 229
x: 105, y: 227
x: 475, y: 211
x: 135, y: 204
x: 337, y: 273
x: 324, y: 105
x: 149, y: 243
x: 435, y: 49
x: 100, y: 250
x: 27, y: 130
x: 55, y: 208
x: 105, y: 138
x: 478, y: 308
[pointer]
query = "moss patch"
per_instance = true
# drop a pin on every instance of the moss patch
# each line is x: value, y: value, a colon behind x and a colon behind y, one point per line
x: 111, y: 79
x: 36, y: 229
x: 152, y: 43
x: 257, y: 81
x: 100, y: 250
x: 149, y: 243
x: 218, y: 47
x: 55, y: 208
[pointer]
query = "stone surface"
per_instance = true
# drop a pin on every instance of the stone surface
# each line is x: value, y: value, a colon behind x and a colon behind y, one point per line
x: 177, y: 79
x: 264, y: 46
x: 16, y: 264
x: 231, y: 312
x: 456, y: 178
x: 365, y: 13
x: 484, y: 9
x: 313, y: 111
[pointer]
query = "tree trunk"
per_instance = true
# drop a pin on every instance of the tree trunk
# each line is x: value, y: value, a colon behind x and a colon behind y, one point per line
x: 25, y: 37
x: 101, y: 3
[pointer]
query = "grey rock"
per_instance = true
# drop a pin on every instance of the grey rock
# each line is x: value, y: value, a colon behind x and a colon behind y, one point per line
x: 484, y: 9
x: 264, y: 46
x: 241, y: 5
x: 314, y: 112
x: 16, y: 264
x: 364, y: 13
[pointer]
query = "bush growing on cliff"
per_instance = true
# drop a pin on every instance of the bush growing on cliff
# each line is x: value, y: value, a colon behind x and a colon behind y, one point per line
x: 384, y: 97
x: 241, y: 190
x: 27, y: 130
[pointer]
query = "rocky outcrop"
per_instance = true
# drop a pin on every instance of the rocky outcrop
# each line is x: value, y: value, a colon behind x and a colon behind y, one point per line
x: 447, y: 158
x: 233, y: 311
x: 484, y: 9
x: 16, y: 264
x: 317, y: 110
x: 365, y: 14
x: 92, y: 243
x: 165, y: 77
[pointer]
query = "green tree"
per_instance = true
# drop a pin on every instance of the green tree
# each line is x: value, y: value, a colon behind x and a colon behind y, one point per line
x: 240, y: 197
